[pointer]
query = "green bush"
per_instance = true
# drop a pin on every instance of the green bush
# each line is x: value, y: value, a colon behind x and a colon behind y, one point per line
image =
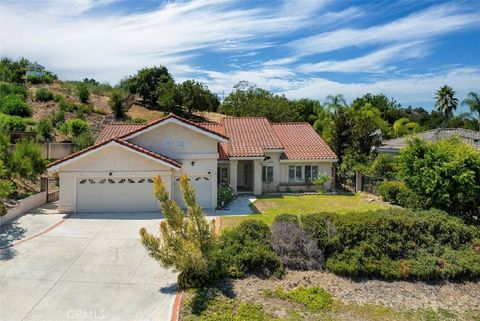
x: 66, y: 105
x: 288, y: 218
x: 12, y: 89
x: 43, y: 94
x: 391, y: 190
x: 44, y: 130
x: 34, y: 79
x: 384, y: 166
x: 82, y: 141
x: 443, y: 175
x: 58, y: 118
x: 58, y: 97
x: 225, y: 195
x: 74, y: 127
x: 246, y: 249
x: 318, y: 226
x: 399, y: 243
x: 137, y: 120
x: 12, y: 123
x: 83, y: 93
x: 15, y: 105
x: 116, y: 103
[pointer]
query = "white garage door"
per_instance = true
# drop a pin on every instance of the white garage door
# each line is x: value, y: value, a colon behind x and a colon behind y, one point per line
x: 115, y: 194
x: 203, y: 190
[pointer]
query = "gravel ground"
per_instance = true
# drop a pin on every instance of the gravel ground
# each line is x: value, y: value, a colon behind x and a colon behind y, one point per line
x: 398, y: 295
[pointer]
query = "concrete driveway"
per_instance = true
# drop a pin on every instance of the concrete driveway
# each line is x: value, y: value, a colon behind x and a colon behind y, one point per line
x: 89, y: 267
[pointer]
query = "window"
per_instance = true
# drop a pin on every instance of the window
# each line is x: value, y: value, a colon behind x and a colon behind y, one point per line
x: 295, y: 173
x: 222, y: 175
x: 180, y: 143
x: 311, y: 172
x: 267, y: 173
x: 167, y: 142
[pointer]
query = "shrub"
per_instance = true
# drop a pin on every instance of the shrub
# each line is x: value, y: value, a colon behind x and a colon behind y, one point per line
x: 34, y: 79
x: 391, y: 190
x: 137, y: 120
x: 86, y: 108
x: 44, y: 129
x: 74, y: 127
x: 444, y: 175
x: 385, y: 166
x: 58, y: 97
x: 43, y: 94
x: 12, y: 123
x: 399, y: 243
x: 314, y: 298
x: 321, y: 180
x: 225, y: 195
x: 82, y: 141
x: 15, y: 105
x: 295, y: 247
x: 12, y: 89
x: 66, y: 105
x: 245, y: 249
x: 189, y: 246
x: 83, y: 93
x: 319, y: 226
x: 58, y: 118
x: 26, y: 161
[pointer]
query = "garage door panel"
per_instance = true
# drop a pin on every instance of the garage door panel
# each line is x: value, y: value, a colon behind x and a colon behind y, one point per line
x: 115, y: 194
x: 203, y: 190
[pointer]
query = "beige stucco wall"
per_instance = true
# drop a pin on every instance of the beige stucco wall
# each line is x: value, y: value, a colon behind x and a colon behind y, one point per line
x: 112, y: 159
x: 198, y: 148
x: 323, y: 167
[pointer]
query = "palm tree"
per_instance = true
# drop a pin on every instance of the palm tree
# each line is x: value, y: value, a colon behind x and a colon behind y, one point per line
x: 473, y: 101
x: 446, y: 102
x: 335, y: 102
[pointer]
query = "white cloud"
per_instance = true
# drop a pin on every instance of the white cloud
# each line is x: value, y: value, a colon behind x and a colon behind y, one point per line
x: 407, y: 89
x: 422, y: 25
x: 108, y: 47
x: 372, y: 62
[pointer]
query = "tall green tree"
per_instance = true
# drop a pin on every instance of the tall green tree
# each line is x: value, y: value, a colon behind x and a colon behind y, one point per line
x: 197, y: 96
x: 334, y: 102
x: 116, y: 102
x: 188, y: 245
x: 146, y: 81
x: 248, y: 100
x: 446, y: 102
x: 473, y: 101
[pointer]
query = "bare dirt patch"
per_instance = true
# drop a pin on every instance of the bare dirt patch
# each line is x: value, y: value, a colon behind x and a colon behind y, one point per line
x: 398, y: 295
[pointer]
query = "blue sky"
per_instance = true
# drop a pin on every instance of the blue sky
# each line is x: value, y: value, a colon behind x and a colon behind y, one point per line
x: 300, y: 48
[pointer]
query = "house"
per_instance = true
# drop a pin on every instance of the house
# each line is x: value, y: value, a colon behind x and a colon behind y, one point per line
x: 249, y: 153
x: 34, y: 69
x: 393, y: 146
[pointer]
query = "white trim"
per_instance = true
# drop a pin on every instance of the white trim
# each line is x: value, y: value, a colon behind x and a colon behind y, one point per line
x: 178, y: 122
x: 247, y: 158
x: 62, y: 164
x: 301, y: 161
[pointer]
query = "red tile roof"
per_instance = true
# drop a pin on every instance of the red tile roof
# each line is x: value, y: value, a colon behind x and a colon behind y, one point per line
x: 302, y: 142
x: 116, y: 130
x: 249, y: 136
x: 121, y: 142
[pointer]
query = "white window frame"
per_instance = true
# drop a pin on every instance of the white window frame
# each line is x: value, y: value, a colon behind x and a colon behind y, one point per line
x: 297, y: 179
x: 220, y: 169
x: 310, y: 171
x: 265, y: 173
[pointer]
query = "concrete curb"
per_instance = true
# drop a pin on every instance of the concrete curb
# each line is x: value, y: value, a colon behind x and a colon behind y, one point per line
x: 48, y: 229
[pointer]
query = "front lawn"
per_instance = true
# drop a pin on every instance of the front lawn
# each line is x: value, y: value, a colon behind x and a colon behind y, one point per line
x: 270, y: 206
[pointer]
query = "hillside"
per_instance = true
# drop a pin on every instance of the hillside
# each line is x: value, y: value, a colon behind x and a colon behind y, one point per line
x: 101, y: 114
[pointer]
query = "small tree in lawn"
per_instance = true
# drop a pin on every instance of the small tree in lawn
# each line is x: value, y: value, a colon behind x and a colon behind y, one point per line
x: 188, y: 245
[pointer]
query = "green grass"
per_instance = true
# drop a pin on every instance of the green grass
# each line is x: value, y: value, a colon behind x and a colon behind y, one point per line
x: 269, y: 207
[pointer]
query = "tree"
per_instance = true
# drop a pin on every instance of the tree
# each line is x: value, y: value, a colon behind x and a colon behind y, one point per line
x: 116, y: 103
x: 83, y: 92
x: 26, y: 161
x: 146, y: 81
x: 248, y: 100
x: 335, y: 102
x: 186, y: 245
x: 443, y: 175
x: 473, y: 101
x: 446, y: 102
x: 404, y: 126
x: 389, y: 108
x: 195, y: 95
